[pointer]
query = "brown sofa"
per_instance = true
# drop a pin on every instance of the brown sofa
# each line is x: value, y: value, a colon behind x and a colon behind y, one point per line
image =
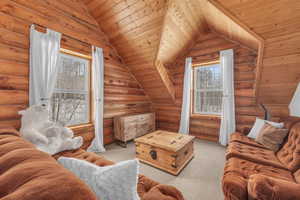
x: 27, y: 174
x: 254, y: 172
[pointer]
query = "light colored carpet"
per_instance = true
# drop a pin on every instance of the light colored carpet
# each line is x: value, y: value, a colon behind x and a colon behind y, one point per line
x: 199, y: 180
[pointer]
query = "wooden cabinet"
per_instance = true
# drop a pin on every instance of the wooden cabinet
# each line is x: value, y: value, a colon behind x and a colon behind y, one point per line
x: 132, y: 126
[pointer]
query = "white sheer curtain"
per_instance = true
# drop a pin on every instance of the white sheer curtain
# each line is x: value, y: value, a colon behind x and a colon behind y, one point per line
x: 294, y: 106
x: 44, y: 55
x: 228, y: 110
x: 98, y: 98
x: 186, y: 98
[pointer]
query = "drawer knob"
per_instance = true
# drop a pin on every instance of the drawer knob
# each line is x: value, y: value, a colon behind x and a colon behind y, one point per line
x: 153, y: 154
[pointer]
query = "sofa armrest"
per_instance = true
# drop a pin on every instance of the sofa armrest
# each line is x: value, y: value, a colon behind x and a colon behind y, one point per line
x: 261, y: 187
x: 163, y: 192
x: 152, y: 190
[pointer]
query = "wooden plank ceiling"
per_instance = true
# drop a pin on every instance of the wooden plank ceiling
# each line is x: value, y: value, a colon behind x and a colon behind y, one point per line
x: 148, y: 34
x: 182, y: 24
x: 278, y: 23
x: 134, y: 28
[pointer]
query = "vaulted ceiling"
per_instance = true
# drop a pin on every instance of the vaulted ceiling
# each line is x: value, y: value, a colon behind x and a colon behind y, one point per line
x: 278, y: 23
x: 134, y: 28
x: 268, y: 18
x: 148, y: 34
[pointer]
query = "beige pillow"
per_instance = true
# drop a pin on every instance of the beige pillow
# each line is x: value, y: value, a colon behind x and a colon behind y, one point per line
x: 271, y: 137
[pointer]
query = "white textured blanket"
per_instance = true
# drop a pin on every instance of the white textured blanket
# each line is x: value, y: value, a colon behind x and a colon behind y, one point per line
x: 115, y: 182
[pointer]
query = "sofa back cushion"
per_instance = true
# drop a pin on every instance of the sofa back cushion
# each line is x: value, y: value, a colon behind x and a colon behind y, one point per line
x: 271, y: 137
x: 289, y: 122
x: 29, y: 174
x: 289, y: 154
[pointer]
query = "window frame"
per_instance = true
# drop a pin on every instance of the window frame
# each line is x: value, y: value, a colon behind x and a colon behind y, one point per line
x: 90, y: 94
x: 194, y: 67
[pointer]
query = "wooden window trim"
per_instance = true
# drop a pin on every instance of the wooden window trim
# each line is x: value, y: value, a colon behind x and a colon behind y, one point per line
x: 201, y: 116
x: 91, y: 109
x: 196, y: 65
x: 73, y: 53
x: 81, y: 126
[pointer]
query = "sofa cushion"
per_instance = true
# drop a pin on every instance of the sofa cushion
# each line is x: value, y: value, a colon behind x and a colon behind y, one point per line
x: 28, y: 174
x: 87, y: 156
x: 241, y: 138
x: 258, y: 125
x: 289, y: 154
x: 254, y: 154
x: 238, y: 171
x: 271, y: 137
x: 9, y: 131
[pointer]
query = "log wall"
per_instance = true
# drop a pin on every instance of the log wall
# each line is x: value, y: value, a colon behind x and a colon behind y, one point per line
x: 207, y: 49
x: 123, y: 94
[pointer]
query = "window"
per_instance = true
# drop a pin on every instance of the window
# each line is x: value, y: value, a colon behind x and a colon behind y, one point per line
x: 70, y: 103
x: 207, y: 89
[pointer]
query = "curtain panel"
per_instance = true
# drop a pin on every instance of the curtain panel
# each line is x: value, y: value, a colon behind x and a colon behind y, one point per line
x: 228, y: 107
x: 294, y: 106
x: 98, y: 98
x: 44, y: 56
x: 186, y: 98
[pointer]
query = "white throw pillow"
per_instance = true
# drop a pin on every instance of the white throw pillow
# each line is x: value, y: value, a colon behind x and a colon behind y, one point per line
x: 115, y: 182
x: 258, y: 125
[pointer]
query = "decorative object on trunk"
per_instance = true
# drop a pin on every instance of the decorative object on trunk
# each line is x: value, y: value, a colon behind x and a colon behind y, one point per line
x: 46, y: 135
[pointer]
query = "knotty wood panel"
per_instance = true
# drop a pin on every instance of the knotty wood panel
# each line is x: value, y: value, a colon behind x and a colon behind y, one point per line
x: 267, y: 18
x: 145, y: 32
x: 221, y: 21
x: 123, y: 94
x: 134, y: 28
x: 205, y: 49
x: 183, y: 22
x: 148, y: 32
x: 278, y: 22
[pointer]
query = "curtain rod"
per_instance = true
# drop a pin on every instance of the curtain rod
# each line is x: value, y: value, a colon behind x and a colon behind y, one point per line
x: 41, y: 26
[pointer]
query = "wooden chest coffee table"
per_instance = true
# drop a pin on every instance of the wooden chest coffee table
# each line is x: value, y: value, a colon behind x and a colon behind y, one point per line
x: 165, y: 150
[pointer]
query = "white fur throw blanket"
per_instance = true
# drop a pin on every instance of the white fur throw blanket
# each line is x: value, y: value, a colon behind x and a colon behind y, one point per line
x: 114, y: 182
x: 47, y: 136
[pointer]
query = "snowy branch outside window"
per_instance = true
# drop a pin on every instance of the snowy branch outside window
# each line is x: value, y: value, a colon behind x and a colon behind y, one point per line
x: 208, y: 89
x: 70, y: 100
